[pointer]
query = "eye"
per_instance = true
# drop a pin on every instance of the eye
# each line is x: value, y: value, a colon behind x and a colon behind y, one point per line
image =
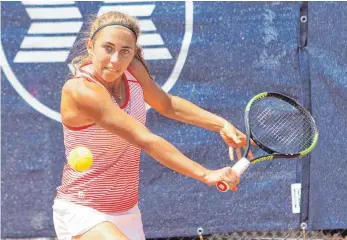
x: 125, y: 52
x: 108, y: 49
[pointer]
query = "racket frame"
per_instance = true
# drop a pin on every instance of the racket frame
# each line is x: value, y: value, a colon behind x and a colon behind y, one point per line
x: 272, y: 153
x: 244, y: 162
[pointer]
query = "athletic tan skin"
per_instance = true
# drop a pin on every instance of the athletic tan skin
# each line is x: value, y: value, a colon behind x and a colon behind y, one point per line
x: 85, y: 103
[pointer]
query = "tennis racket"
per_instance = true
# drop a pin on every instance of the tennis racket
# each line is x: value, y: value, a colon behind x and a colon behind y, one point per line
x: 279, y: 126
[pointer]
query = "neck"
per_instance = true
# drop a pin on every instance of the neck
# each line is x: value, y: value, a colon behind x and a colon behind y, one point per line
x: 117, y: 87
x: 110, y: 86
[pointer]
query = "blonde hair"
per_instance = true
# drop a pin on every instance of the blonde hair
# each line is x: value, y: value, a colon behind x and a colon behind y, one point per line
x: 81, y: 55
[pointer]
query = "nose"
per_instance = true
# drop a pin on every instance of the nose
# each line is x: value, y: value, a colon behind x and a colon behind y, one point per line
x: 115, y: 57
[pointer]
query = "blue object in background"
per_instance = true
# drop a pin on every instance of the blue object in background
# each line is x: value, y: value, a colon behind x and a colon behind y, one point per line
x: 237, y: 50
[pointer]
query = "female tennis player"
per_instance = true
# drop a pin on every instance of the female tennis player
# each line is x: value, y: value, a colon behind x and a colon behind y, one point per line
x: 103, y: 109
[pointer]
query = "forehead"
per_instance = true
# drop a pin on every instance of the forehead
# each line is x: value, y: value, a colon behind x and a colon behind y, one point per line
x: 117, y: 35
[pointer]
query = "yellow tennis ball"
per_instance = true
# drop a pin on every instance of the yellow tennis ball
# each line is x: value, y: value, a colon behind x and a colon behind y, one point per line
x: 80, y: 159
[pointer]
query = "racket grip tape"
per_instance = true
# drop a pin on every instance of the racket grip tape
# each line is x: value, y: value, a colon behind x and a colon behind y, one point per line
x: 239, y: 168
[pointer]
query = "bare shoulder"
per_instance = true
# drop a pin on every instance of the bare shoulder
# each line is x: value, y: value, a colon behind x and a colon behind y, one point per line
x: 154, y: 95
x: 139, y: 71
x: 81, y: 89
x: 69, y: 108
x: 136, y: 65
x: 81, y: 100
x: 78, y: 94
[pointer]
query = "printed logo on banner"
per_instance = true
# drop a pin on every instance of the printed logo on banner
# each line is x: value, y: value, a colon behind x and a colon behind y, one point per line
x: 54, y: 28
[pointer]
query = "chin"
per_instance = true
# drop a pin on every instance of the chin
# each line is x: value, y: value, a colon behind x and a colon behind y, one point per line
x: 110, y: 77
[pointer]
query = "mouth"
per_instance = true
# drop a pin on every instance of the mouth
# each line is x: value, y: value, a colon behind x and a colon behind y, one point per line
x: 111, y: 69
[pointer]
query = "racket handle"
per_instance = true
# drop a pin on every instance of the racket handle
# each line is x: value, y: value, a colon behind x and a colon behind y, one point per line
x: 239, y: 167
x: 222, y: 186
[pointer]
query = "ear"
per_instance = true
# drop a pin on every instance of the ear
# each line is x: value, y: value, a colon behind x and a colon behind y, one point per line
x: 89, y: 46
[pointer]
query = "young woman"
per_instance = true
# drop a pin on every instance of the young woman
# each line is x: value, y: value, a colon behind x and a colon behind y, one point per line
x: 103, y: 109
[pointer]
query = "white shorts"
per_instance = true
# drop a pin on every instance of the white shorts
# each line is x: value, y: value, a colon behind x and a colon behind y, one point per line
x: 72, y: 219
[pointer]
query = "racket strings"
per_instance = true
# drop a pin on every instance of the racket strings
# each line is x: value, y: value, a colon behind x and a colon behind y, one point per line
x: 286, y: 134
x: 280, y: 126
x: 284, y: 129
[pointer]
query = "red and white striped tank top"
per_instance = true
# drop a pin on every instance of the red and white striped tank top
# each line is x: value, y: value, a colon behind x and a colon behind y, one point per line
x: 111, y: 184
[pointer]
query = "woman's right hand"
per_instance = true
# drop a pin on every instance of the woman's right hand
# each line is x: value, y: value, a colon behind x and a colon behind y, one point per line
x: 227, y: 174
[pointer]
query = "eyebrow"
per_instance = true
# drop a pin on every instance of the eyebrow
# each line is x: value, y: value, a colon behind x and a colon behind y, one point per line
x: 125, y: 46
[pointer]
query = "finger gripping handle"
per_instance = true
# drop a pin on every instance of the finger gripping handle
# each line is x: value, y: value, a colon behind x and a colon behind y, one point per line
x: 239, y: 168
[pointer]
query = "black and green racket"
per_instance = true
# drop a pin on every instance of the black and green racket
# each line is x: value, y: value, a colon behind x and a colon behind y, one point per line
x: 279, y: 126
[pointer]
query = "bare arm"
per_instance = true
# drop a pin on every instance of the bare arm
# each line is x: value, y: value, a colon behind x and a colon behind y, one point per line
x: 185, y: 111
x: 94, y: 103
x: 182, y: 110
x: 172, y: 106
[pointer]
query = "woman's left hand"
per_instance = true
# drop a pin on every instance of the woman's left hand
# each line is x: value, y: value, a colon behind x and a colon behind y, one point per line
x: 232, y: 136
x: 235, y: 139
